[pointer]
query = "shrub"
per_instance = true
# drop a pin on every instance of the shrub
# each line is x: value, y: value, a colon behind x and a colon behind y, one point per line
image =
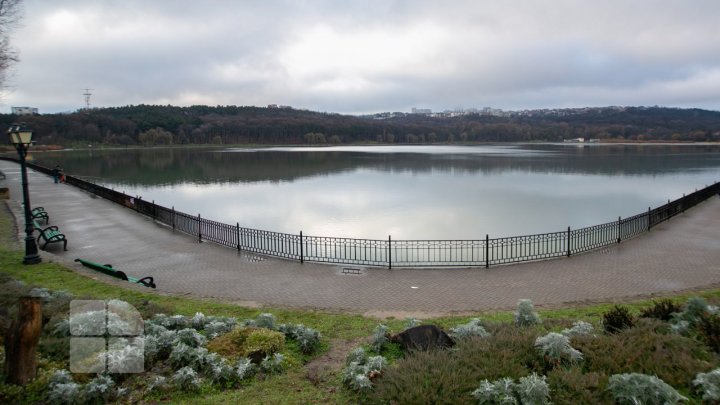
x: 646, y: 349
x: 529, y: 390
x: 617, y: 319
x: 244, y: 368
x: 570, y: 385
x: 124, y: 355
x: 157, y: 383
x: 307, y: 338
x: 555, y: 349
x: 64, y: 393
x: 266, y: 321
x: 709, y: 329
x: 198, y: 321
x: 497, y: 392
x: 244, y: 341
x: 662, y: 310
x: 189, y: 337
x: 579, y: 328
x: 379, y: 338
x: 220, y: 372
x: 533, y: 390
x: 264, y: 341
x: 186, y: 379
x: 357, y: 355
x: 183, y: 356
x: 442, y: 376
x: 61, y: 329
x: 272, y: 364
x: 709, y: 385
x: 411, y: 322
x: 637, y: 388
x: 361, y: 370
x: 525, y: 314
x: 98, y: 390
x: 62, y: 389
x: 470, y: 329
x: 214, y: 329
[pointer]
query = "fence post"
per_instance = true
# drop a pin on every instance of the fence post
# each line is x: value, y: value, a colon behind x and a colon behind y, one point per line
x: 619, y: 219
x: 649, y: 219
x: 302, y: 254
x: 173, y: 217
x: 237, y: 230
x: 389, y: 253
x: 199, y: 230
x: 568, y: 242
x: 487, y: 251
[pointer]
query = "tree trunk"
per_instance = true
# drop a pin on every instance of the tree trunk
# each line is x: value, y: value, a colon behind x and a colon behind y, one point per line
x: 21, y: 341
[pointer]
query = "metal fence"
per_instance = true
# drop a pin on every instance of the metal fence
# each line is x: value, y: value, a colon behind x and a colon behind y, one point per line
x: 400, y: 253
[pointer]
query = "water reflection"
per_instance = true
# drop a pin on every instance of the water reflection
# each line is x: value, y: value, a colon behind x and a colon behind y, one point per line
x: 408, y: 192
x: 203, y: 166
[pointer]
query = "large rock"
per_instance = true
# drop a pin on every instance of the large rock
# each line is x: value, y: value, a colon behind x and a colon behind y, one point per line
x: 423, y: 337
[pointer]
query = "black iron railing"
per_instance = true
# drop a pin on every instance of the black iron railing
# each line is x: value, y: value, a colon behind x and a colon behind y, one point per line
x: 400, y: 253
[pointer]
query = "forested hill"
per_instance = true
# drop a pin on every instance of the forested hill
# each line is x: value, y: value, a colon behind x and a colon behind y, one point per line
x: 156, y: 125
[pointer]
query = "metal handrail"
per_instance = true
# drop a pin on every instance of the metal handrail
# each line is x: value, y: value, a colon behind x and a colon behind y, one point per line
x: 400, y: 253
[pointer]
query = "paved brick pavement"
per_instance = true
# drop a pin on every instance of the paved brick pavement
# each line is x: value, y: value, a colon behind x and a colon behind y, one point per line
x: 681, y: 254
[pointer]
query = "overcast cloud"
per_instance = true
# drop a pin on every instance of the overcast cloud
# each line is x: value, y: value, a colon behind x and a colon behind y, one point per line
x: 367, y: 56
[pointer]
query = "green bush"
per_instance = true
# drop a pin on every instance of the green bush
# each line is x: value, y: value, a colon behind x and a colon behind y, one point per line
x: 647, y: 348
x: 264, y: 341
x: 637, y: 388
x: 533, y: 390
x: 555, y: 349
x: 709, y: 329
x: 379, y: 338
x: 525, y: 314
x: 662, y: 310
x: 529, y: 390
x: 272, y: 364
x: 571, y: 386
x: 617, y: 319
x: 360, y: 370
x: 473, y: 328
x: 579, y: 328
x: 241, y: 342
x: 451, y: 376
x: 709, y: 385
x: 186, y: 379
x: 500, y: 391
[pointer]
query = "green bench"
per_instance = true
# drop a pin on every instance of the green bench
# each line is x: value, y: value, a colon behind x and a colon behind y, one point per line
x: 108, y: 269
x: 40, y: 213
x: 50, y: 234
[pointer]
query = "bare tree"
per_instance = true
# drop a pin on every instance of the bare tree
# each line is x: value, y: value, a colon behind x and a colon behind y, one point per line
x: 9, y: 17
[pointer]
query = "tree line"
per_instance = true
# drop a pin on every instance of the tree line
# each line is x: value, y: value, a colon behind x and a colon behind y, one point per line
x: 171, y: 125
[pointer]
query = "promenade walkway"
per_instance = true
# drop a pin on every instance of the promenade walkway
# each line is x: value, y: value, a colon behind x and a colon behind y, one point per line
x: 681, y: 254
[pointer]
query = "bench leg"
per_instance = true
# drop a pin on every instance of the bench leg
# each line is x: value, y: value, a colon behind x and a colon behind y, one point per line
x: 65, y: 244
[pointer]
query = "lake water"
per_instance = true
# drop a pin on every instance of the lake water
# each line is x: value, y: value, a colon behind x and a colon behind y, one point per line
x: 409, y: 192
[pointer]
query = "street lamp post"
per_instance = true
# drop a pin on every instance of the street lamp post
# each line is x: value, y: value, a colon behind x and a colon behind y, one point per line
x: 21, y: 137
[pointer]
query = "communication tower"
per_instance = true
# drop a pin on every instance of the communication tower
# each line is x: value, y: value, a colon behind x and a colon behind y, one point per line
x: 87, y: 95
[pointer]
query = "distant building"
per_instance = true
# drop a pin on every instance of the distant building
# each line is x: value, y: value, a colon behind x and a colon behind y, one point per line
x: 24, y: 110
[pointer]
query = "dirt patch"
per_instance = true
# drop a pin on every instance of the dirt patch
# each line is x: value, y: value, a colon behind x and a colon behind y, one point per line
x: 321, y: 369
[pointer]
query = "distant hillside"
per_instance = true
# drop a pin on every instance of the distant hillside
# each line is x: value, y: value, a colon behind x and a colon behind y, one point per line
x: 158, y: 125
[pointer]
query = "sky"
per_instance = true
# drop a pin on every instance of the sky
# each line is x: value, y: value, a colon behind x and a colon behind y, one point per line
x: 366, y: 56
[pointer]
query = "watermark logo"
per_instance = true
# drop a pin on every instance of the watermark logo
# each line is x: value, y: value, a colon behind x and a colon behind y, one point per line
x: 106, y: 337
